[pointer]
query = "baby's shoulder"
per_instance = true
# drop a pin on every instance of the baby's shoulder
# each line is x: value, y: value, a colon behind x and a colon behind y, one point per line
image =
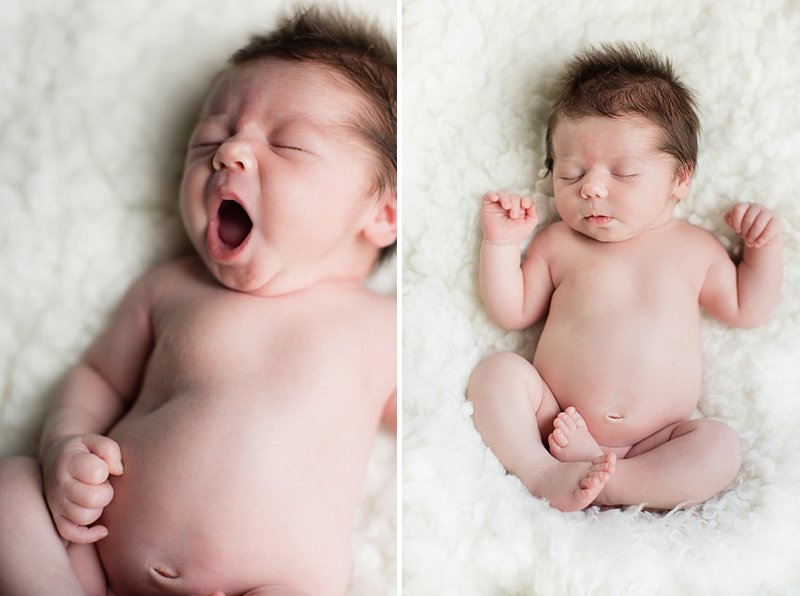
x: 553, y: 236
x: 696, y: 238
x: 360, y: 305
x: 180, y: 268
x: 360, y: 322
x: 168, y: 279
x: 696, y: 246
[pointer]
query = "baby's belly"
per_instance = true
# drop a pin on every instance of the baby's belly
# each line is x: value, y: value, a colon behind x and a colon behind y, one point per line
x: 210, y: 501
x: 626, y: 385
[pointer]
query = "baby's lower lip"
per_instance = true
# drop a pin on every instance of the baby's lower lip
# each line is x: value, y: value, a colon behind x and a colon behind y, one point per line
x: 599, y: 220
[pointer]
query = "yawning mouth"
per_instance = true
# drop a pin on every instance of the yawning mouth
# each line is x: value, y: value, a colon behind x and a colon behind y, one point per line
x: 234, y: 224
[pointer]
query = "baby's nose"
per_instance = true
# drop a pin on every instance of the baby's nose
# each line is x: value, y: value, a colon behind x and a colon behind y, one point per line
x: 594, y: 188
x: 234, y: 154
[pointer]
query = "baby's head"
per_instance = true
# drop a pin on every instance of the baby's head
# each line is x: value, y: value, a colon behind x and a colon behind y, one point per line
x: 290, y: 177
x: 623, y: 80
x: 621, y: 142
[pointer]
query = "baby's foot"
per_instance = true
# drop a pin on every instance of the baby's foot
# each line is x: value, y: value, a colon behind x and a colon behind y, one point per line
x: 572, y: 486
x: 570, y: 439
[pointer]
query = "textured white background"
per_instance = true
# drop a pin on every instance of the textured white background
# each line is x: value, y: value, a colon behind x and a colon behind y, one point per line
x: 478, y: 81
x: 97, y: 99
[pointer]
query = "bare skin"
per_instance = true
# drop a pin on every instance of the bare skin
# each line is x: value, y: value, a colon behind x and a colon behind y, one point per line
x: 214, y: 439
x: 617, y: 371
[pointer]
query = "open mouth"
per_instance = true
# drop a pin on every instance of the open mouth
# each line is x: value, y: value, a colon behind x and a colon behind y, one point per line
x: 234, y: 224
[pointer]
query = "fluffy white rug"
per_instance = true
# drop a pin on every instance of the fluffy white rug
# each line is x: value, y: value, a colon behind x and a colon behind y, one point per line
x: 97, y: 101
x: 478, y: 82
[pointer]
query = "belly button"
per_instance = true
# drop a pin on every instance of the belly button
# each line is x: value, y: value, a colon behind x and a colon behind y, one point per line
x: 613, y: 416
x: 165, y: 572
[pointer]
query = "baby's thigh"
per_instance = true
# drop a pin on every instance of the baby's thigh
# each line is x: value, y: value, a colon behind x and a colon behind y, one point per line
x: 87, y: 566
x: 707, y: 433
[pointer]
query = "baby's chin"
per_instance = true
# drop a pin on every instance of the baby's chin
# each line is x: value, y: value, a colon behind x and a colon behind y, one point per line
x: 264, y: 281
x: 250, y: 279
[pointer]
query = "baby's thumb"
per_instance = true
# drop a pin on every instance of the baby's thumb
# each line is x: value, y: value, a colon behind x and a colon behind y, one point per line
x: 107, y: 450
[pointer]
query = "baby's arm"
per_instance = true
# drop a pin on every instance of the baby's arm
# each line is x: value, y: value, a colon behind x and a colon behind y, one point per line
x: 744, y: 296
x: 515, y: 295
x: 76, y: 458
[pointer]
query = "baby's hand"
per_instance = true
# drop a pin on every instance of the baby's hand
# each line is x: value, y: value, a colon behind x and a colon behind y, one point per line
x: 77, y: 489
x: 757, y: 225
x: 507, y: 218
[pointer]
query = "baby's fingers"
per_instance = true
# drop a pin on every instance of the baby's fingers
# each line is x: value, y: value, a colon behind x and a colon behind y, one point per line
x: 491, y: 197
x: 79, y: 534
x: 80, y: 516
x: 756, y: 225
x: 89, y: 496
x: 754, y: 228
x: 88, y: 468
x: 735, y: 217
x: 106, y: 449
x: 516, y: 205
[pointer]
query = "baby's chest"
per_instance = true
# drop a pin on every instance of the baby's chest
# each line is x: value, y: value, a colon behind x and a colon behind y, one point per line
x: 638, y: 278
x: 219, y: 345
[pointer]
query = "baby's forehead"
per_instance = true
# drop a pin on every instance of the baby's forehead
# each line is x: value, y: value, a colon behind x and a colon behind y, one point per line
x: 633, y: 131
x: 282, y: 84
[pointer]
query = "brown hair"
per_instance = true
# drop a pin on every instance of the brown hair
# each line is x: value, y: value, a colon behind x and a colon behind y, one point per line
x: 624, y: 79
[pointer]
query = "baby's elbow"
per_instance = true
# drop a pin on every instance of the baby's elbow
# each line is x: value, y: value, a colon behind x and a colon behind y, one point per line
x: 747, y: 315
x: 750, y: 319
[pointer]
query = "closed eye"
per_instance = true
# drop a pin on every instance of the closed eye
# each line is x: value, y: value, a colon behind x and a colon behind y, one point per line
x: 204, y: 146
x: 286, y: 146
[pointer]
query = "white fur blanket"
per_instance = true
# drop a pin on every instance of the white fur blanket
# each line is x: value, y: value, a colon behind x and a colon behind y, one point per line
x: 477, y: 85
x: 96, y: 102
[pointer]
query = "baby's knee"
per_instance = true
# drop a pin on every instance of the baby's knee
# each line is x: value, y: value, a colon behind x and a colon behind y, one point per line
x: 496, y: 368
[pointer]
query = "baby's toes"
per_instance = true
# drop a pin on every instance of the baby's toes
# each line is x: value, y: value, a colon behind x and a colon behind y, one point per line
x: 558, y: 437
x: 564, y: 421
x: 575, y: 417
x: 605, y: 463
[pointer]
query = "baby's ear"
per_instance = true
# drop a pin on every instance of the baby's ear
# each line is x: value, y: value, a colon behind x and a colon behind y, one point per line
x: 380, y: 228
x: 683, y: 183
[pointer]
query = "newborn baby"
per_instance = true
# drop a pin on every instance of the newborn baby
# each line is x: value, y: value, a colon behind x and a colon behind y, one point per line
x: 616, y: 375
x: 240, y: 390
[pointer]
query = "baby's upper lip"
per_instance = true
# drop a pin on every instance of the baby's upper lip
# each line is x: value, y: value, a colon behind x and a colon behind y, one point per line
x: 218, y: 246
x: 224, y: 193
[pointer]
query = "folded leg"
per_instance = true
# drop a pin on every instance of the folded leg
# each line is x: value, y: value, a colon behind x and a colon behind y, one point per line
x: 513, y: 410
x: 685, y: 463
x: 33, y: 557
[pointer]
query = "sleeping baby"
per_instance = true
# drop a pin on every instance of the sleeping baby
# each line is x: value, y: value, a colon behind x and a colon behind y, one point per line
x: 215, y: 437
x: 604, y: 413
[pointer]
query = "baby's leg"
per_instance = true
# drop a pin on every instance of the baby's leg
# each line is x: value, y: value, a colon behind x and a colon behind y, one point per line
x: 513, y: 409
x: 33, y: 558
x: 685, y: 463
